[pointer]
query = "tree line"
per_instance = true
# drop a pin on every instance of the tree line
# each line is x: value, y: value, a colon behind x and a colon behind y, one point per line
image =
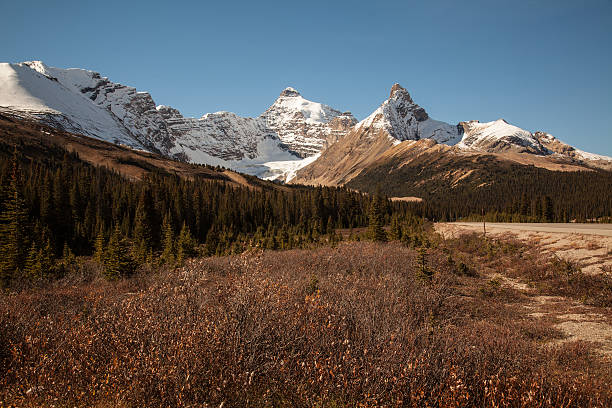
x: 505, y: 192
x: 59, y: 207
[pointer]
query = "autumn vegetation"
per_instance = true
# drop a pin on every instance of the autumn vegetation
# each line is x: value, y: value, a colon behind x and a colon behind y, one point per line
x: 359, y: 323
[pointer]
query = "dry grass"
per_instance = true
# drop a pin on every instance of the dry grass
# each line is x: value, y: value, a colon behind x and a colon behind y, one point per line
x: 346, y: 326
x: 547, y: 273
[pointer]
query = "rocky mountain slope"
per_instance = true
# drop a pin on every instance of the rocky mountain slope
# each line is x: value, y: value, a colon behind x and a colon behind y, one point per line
x: 84, y: 102
x: 38, y: 141
x: 398, y: 119
x: 392, y: 130
x: 28, y: 88
x: 293, y: 138
x: 498, y: 136
x: 305, y: 127
x: 402, y: 119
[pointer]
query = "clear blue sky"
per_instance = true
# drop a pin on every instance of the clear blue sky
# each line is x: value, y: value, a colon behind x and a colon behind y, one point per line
x: 542, y: 65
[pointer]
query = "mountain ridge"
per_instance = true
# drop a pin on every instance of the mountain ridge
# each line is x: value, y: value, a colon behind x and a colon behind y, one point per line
x: 291, y: 129
x: 293, y: 137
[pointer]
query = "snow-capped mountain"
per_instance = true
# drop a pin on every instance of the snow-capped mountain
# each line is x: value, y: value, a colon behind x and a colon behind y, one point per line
x: 273, y: 145
x: 84, y: 102
x: 292, y: 133
x: 228, y: 140
x: 390, y: 135
x: 38, y: 95
x: 397, y: 120
x: 135, y: 110
x: 555, y: 146
x: 498, y: 136
x: 303, y: 125
x: 403, y: 120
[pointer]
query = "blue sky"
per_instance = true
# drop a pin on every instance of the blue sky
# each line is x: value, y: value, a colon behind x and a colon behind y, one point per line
x: 541, y: 65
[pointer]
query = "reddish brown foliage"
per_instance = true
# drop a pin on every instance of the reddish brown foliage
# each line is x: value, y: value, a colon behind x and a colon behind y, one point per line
x: 345, y: 326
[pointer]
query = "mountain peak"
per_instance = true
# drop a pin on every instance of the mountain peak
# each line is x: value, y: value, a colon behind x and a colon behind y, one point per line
x: 498, y: 136
x: 399, y: 92
x: 403, y: 119
x: 37, y: 66
x: 289, y: 91
x: 33, y: 64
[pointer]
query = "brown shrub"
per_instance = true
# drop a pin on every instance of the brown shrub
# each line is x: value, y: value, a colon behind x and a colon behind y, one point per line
x: 256, y: 329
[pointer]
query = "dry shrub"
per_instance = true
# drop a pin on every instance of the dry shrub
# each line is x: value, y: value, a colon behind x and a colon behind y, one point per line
x: 547, y: 272
x: 257, y: 329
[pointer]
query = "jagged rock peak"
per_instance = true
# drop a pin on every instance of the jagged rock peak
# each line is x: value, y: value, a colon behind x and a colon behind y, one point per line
x: 403, y: 103
x: 289, y: 91
x: 399, y: 92
x: 403, y: 119
x: 169, y: 112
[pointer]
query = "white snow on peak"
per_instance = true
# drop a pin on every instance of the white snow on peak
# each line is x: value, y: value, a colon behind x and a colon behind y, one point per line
x: 287, y: 169
x: 289, y: 91
x: 74, y: 79
x: 301, y: 124
x: 490, y: 135
x: 45, y: 98
x: 549, y: 141
x: 592, y: 156
x: 313, y: 112
x: 496, y: 129
x: 403, y: 120
x: 84, y: 102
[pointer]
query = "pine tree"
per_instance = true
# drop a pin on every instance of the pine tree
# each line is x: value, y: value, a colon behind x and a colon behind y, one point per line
x: 547, y: 209
x: 46, y: 256
x: 67, y: 255
x: 424, y: 271
x: 284, y: 237
x: 395, y: 232
x: 62, y: 217
x: 143, y: 227
x: 13, y: 223
x: 39, y: 264
x: 33, y: 269
x: 375, y: 229
x: 185, y: 245
x: 99, y: 247
x: 117, y: 260
x: 168, y: 250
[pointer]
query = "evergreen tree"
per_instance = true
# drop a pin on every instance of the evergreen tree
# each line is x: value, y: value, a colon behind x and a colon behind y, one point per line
x: 62, y: 216
x: 67, y: 255
x: 99, y: 247
x: 168, y: 249
x: 395, y: 232
x: 547, y: 209
x: 117, y: 260
x: 375, y: 228
x: 39, y: 264
x: 185, y: 245
x: 143, y: 227
x: 13, y: 224
x: 33, y: 269
x: 424, y: 271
